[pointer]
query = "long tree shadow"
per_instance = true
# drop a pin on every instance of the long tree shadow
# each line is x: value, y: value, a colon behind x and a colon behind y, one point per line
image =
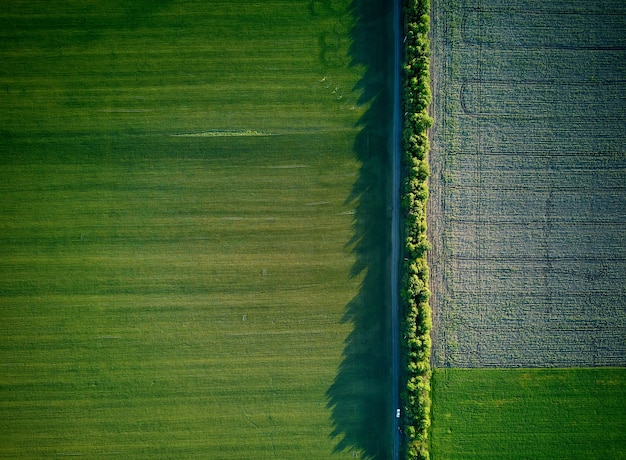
x: 360, y: 397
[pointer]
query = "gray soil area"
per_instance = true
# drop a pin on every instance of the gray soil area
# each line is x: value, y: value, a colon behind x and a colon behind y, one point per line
x: 527, y: 212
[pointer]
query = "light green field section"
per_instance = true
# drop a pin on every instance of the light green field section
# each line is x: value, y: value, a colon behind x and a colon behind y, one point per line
x: 528, y: 165
x: 529, y: 413
x: 168, y: 307
x: 178, y: 248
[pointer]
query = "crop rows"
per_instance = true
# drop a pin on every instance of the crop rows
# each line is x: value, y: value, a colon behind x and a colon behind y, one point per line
x: 586, y: 28
x: 528, y: 164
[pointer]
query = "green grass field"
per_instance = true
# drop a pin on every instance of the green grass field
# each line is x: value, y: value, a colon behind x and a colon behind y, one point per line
x: 184, y: 189
x: 529, y: 413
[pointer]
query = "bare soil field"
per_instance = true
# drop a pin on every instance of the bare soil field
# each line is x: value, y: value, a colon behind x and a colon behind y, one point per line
x: 528, y: 183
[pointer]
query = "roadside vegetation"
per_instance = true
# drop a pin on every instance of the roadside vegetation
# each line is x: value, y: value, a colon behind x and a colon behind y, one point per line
x: 416, y: 315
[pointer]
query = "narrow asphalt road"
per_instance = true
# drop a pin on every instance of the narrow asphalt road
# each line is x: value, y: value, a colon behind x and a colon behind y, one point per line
x: 395, y: 223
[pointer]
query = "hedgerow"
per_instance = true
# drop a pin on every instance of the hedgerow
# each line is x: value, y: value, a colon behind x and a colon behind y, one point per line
x: 416, y: 323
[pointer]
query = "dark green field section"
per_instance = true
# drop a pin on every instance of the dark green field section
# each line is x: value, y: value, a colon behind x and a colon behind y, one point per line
x: 529, y: 413
x: 174, y: 67
x: 528, y: 183
x: 193, y: 232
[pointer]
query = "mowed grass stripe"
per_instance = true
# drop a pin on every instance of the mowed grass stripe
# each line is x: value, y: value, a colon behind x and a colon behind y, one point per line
x: 529, y: 413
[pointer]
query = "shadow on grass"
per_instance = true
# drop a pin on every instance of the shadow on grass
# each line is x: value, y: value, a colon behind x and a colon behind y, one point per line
x: 360, y: 397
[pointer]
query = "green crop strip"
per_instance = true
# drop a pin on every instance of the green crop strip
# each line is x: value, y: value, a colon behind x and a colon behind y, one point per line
x: 417, y: 323
x: 529, y: 413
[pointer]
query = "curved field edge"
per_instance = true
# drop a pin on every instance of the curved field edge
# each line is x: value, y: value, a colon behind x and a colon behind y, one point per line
x: 414, y: 293
x: 575, y: 413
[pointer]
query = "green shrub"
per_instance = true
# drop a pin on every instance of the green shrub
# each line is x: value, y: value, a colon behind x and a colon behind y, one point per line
x: 414, y: 292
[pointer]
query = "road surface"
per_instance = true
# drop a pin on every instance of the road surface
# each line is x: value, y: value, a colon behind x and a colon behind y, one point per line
x: 395, y: 223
